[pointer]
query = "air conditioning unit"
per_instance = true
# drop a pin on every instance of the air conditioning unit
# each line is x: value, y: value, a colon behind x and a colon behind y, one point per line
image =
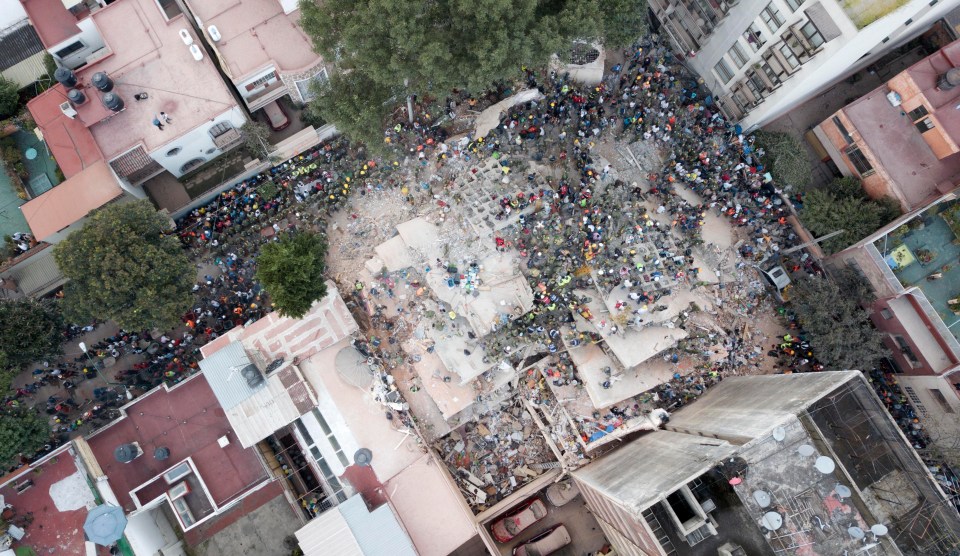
x: 68, y: 110
x: 214, y: 33
x: 894, y: 98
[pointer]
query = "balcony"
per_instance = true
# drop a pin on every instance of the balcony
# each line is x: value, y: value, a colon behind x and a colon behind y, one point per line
x: 267, y: 95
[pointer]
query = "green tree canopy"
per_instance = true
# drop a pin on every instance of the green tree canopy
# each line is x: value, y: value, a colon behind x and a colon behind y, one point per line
x: 839, y: 329
x: 121, y: 267
x: 29, y: 331
x: 433, y: 47
x: 291, y: 270
x: 844, y: 206
x: 9, y: 97
x: 21, y: 432
x: 256, y: 138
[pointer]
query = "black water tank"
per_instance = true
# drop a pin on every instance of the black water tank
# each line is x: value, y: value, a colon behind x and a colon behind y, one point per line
x: 65, y: 77
x: 949, y: 80
x: 76, y: 96
x: 113, y: 102
x: 101, y: 81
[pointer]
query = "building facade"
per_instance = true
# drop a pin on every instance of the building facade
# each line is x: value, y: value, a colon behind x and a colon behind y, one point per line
x: 761, y: 58
x: 779, y: 464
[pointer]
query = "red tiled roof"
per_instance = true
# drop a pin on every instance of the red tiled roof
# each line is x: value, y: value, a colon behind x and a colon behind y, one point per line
x: 70, y: 142
x: 188, y: 421
x: 52, y: 21
x: 71, y: 200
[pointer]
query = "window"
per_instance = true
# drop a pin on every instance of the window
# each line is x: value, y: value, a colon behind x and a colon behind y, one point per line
x: 772, y: 17
x: 183, y: 510
x: 756, y: 85
x: 924, y: 125
x: 737, y: 54
x: 941, y: 399
x: 306, y: 86
x: 262, y: 82
x: 219, y: 129
x: 772, y: 65
x: 328, y: 474
x: 723, y: 71
x: 177, y: 473
x: 917, y: 113
x: 304, y: 432
x: 753, y: 37
x: 192, y: 164
x: 860, y: 162
x: 69, y: 49
x: 886, y: 314
x: 789, y: 57
x: 912, y: 394
x: 174, y: 151
x: 794, y: 5
x: 812, y: 34
x: 179, y: 490
x: 842, y: 129
x: 331, y: 438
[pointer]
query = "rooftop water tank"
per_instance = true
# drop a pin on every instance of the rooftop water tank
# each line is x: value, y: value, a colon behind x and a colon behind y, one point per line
x: 76, y: 96
x: 113, y: 102
x: 65, y: 77
x: 101, y: 81
x: 949, y: 80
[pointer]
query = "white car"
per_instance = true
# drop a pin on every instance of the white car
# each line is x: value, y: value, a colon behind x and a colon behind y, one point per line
x: 549, y: 541
x: 560, y: 493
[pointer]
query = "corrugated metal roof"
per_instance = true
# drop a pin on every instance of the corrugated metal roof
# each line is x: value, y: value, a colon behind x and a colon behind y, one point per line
x: 269, y: 409
x: 17, y: 43
x: 351, y: 530
x: 378, y: 532
x: 328, y: 534
x: 39, y: 274
x: 222, y: 370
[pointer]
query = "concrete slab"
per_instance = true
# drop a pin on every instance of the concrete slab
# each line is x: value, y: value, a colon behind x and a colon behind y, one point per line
x: 258, y: 533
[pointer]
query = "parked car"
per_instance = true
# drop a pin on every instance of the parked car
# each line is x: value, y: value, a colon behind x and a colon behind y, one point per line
x: 549, y: 541
x: 518, y: 519
x: 276, y: 115
x: 560, y: 493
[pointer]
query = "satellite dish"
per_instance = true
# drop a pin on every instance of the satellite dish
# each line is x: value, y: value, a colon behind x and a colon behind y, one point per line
x: 274, y: 365
x: 879, y: 529
x: 352, y: 367
x: 363, y: 457
x: 762, y: 498
x: 825, y: 465
x: 772, y: 521
x: 856, y: 533
x: 161, y: 453
x: 843, y: 491
x: 779, y: 434
x: 805, y: 450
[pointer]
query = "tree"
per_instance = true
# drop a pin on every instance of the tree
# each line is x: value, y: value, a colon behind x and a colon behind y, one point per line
x: 9, y: 97
x: 845, y: 206
x: 122, y: 267
x: 838, y: 327
x: 256, y: 138
x: 21, y: 432
x: 356, y: 103
x: 29, y: 330
x: 433, y: 47
x: 785, y: 157
x: 291, y: 270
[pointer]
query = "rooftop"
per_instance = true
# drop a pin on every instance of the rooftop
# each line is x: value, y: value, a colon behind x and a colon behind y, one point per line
x: 923, y: 253
x: 53, y: 22
x: 70, y: 201
x: 187, y: 420
x: 351, y: 529
x: 58, y: 499
x: 256, y: 34
x: 17, y: 43
x: 148, y: 55
x: 70, y: 142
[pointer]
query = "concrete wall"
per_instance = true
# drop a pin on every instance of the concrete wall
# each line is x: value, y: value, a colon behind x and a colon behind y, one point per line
x: 197, y: 143
x: 634, y: 534
x: 89, y: 35
x: 940, y: 417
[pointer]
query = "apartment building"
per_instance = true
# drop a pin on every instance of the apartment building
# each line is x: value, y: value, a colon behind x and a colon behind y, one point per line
x: 761, y: 58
